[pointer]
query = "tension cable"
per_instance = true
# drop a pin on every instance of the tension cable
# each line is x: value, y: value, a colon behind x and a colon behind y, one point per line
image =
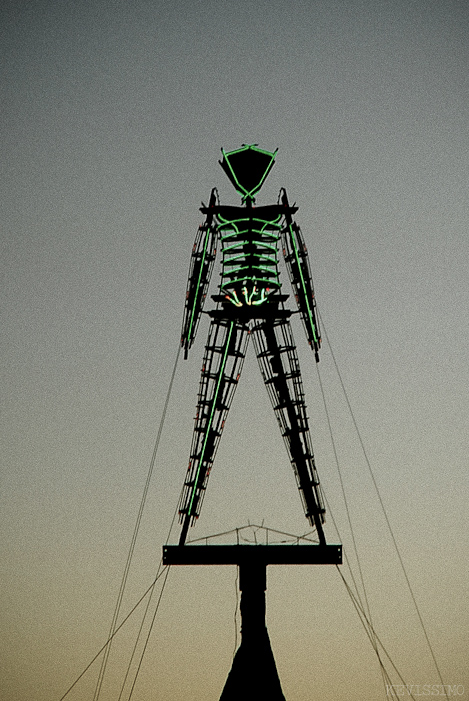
x: 108, y: 641
x: 125, y: 575
x: 388, y: 523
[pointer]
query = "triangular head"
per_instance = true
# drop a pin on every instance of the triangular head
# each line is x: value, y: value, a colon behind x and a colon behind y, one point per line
x: 247, y: 168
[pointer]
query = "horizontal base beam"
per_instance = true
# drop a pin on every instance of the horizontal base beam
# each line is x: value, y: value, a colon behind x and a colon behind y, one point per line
x: 252, y: 554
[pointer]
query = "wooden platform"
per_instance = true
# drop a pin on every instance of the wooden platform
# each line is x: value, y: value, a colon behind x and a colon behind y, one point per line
x: 252, y: 554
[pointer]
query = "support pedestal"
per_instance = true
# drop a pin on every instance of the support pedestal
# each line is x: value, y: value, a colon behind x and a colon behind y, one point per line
x: 253, y: 675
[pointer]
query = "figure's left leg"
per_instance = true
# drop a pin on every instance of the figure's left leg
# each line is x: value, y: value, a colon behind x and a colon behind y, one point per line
x: 222, y: 365
x: 278, y: 360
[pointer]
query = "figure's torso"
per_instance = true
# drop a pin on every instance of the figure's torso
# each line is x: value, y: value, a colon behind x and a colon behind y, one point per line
x: 249, y: 239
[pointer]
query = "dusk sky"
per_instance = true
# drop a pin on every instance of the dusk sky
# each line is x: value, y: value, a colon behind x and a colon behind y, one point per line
x: 113, y: 116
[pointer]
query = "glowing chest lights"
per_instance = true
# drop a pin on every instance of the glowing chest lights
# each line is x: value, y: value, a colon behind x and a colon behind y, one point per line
x: 250, y: 256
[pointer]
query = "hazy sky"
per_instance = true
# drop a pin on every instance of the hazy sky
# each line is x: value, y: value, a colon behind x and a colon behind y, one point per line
x: 113, y: 115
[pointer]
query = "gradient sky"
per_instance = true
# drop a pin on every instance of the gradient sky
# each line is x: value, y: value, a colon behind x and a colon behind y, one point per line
x: 113, y: 115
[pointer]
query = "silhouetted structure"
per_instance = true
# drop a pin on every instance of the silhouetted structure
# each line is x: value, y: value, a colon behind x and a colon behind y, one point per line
x: 254, y: 675
x: 250, y: 305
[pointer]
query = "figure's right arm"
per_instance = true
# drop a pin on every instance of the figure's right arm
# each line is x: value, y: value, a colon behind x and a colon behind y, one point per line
x: 201, y: 266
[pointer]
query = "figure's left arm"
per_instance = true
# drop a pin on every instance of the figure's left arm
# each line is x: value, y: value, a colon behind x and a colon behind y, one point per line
x: 296, y: 258
x: 200, y: 272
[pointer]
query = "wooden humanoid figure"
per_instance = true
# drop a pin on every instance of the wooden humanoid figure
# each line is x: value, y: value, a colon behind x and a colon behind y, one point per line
x: 249, y: 304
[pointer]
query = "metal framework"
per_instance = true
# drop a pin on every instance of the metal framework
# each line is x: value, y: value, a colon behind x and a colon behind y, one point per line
x: 250, y: 304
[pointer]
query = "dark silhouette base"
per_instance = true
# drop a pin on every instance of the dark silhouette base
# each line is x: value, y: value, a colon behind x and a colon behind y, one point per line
x: 253, y: 676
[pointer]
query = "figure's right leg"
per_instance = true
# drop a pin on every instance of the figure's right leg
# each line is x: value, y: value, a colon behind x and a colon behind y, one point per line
x: 223, y: 361
x: 278, y: 360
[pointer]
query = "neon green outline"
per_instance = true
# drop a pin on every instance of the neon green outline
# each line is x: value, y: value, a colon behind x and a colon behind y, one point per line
x: 249, y: 194
x: 242, y: 232
x: 263, y: 222
x: 262, y: 299
x: 261, y: 256
x: 270, y: 250
x: 303, y: 284
x: 268, y: 269
x: 271, y: 283
x: 198, y: 284
x: 234, y: 301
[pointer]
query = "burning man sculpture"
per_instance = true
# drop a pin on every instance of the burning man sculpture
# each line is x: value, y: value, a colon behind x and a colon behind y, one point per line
x: 250, y: 303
